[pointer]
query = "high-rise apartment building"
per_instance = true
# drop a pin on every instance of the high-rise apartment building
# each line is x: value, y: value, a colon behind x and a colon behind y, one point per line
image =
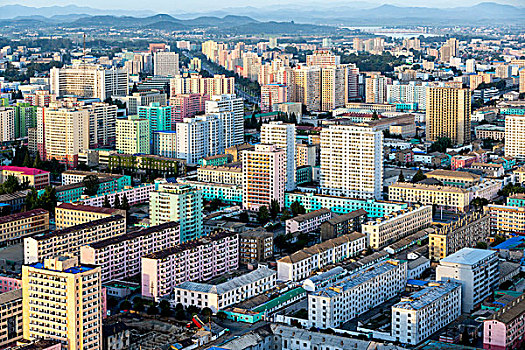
x: 201, y: 137
x: 219, y: 104
x: 305, y: 86
x: 272, y: 94
x: 7, y: 124
x: 470, y: 65
x: 515, y: 135
x: 25, y: 118
x: 410, y: 93
x: 186, y: 106
x: 323, y: 58
x: 264, y: 171
x: 102, y: 124
x: 40, y: 98
x: 63, y: 133
x: 89, y: 81
x: 165, y: 144
x: 143, y: 98
x: 133, y: 135
x: 283, y: 136
x: 195, y: 84
x: 166, y: 63
x: 352, y: 161
x: 448, y: 114
x: 62, y: 300
x: 181, y: 203
x: 159, y: 117
x: 11, y: 317
x: 522, y: 80
x: 376, y: 88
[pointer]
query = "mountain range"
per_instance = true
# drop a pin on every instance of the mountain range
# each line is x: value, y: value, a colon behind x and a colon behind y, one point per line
x: 358, y: 13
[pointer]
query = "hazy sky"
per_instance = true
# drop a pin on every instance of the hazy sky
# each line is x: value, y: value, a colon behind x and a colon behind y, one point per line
x: 165, y: 6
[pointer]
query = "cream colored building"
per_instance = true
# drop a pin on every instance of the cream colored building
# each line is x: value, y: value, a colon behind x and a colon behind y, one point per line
x: 352, y: 161
x: 463, y: 179
x: 515, y: 135
x: 62, y: 300
x: 10, y: 317
x: 220, y: 174
x: 448, y: 114
x: 69, y: 240
x: 68, y: 214
x: 7, y: 124
x: 396, y: 225
x: 305, y: 88
x: 376, y: 88
x: 283, y: 136
x: 463, y: 233
x: 133, y: 135
x: 264, y: 172
x: 442, y: 196
x: 306, y: 154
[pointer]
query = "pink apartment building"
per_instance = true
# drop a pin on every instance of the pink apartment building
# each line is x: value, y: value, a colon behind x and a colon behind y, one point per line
x: 505, y: 330
x: 8, y: 283
x: 187, y: 105
x: 272, y: 94
x: 198, y: 260
x: 119, y: 257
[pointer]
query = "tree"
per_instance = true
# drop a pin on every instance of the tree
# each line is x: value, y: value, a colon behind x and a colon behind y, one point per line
x: 286, y: 215
x: 297, y: 208
x: 478, y: 203
x: 206, y: 312
x: 275, y: 208
x: 153, y: 310
x: 401, y: 177
x: 418, y: 176
x: 10, y: 185
x: 138, y: 304
x: 221, y: 315
x: 91, y: 184
x: 375, y: 116
x: 193, y: 310
x: 244, y: 217
x: 125, y: 205
x: 106, y: 203
x: 27, y: 161
x: 481, y: 245
x: 48, y: 199
x: 116, y: 202
x: 180, y: 315
x: 441, y: 145
x: 125, y: 305
x: 37, y: 162
x: 134, y: 88
x: 263, y: 216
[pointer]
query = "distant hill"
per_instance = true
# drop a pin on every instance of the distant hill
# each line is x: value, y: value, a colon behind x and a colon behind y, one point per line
x: 12, y: 11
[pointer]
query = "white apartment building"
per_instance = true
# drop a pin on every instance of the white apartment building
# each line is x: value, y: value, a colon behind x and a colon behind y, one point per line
x: 102, y: 124
x: 165, y: 63
x: 264, y: 172
x: 283, y: 136
x: 7, y: 124
x: 218, y: 297
x: 195, y: 84
x: 119, y: 257
x: 220, y: 174
x: 418, y: 316
x: 143, y: 98
x: 300, y: 265
x: 407, y: 93
x: 229, y: 103
x: 200, y: 137
x: 201, y: 260
x: 308, y: 222
x: 165, y: 143
x: 133, y: 135
x: 396, y: 225
x: 514, y: 135
x: 65, y: 133
x: 70, y: 239
x: 477, y: 272
x: 62, y: 300
x: 355, y: 294
x: 87, y: 80
x: 376, y: 88
x: 306, y: 155
x: 352, y: 161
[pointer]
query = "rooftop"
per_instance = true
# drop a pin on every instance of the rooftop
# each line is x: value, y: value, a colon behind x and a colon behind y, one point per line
x: 24, y: 170
x: 90, y: 208
x: 21, y: 216
x: 72, y: 270
x: 510, y: 312
x: 468, y: 256
x: 94, y: 223
x: 10, y: 296
x: 311, y: 215
x: 237, y: 282
x: 427, y: 296
x: 429, y: 187
x: 453, y: 174
x: 341, y: 218
x: 357, y: 278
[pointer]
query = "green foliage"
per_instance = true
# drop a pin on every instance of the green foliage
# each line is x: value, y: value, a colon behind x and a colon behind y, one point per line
x: 297, y: 208
x: 11, y: 185
x: 481, y: 245
x: 91, y: 184
x: 441, y: 145
x: 47, y: 201
x: 511, y: 189
x: 116, y: 203
x: 125, y: 205
x: 118, y: 103
x: 125, y: 305
x: 401, y: 177
x: 286, y: 215
x: 275, y: 208
x: 244, y: 217
x: 221, y: 315
x: 153, y: 310
x: 418, y: 176
x: 206, y: 312
x: 263, y: 216
x: 478, y: 203
x: 106, y: 203
x: 374, y: 63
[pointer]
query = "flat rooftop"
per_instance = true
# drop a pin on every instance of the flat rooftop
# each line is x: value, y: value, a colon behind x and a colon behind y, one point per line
x: 72, y: 270
x: 468, y: 256
x: 427, y: 296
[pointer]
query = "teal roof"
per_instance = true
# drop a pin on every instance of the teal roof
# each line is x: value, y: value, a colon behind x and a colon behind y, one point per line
x: 281, y: 299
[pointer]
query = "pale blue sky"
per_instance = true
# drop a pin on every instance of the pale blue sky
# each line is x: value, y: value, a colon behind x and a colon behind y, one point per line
x: 166, y: 6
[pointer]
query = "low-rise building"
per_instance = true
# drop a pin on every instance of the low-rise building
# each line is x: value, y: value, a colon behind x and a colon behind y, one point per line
x: 9, y: 282
x: 69, y: 240
x: 477, y: 272
x: 343, y: 224
x: 447, y: 197
x: 68, y: 214
x: 198, y: 260
x: 230, y: 174
x: 309, y: 222
x: 135, y: 195
x: 75, y: 176
x: 226, y: 193
x: 119, y: 257
x: 505, y: 330
x: 255, y: 246
x: 10, y: 317
x: 418, y: 316
x: 15, y: 227
x: 462, y: 179
x: 397, y: 225
x: 506, y: 220
x: 462, y: 233
x: 300, y: 265
x: 217, y: 297
x: 489, y: 131
x: 33, y: 177
x: 353, y: 295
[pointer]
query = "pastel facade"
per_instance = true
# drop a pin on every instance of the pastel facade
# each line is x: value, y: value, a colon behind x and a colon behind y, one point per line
x: 68, y: 214
x: 15, y: 227
x: 308, y: 222
x: 33, y: 177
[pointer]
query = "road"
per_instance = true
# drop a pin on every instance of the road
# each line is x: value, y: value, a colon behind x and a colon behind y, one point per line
x: 238, y: 90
